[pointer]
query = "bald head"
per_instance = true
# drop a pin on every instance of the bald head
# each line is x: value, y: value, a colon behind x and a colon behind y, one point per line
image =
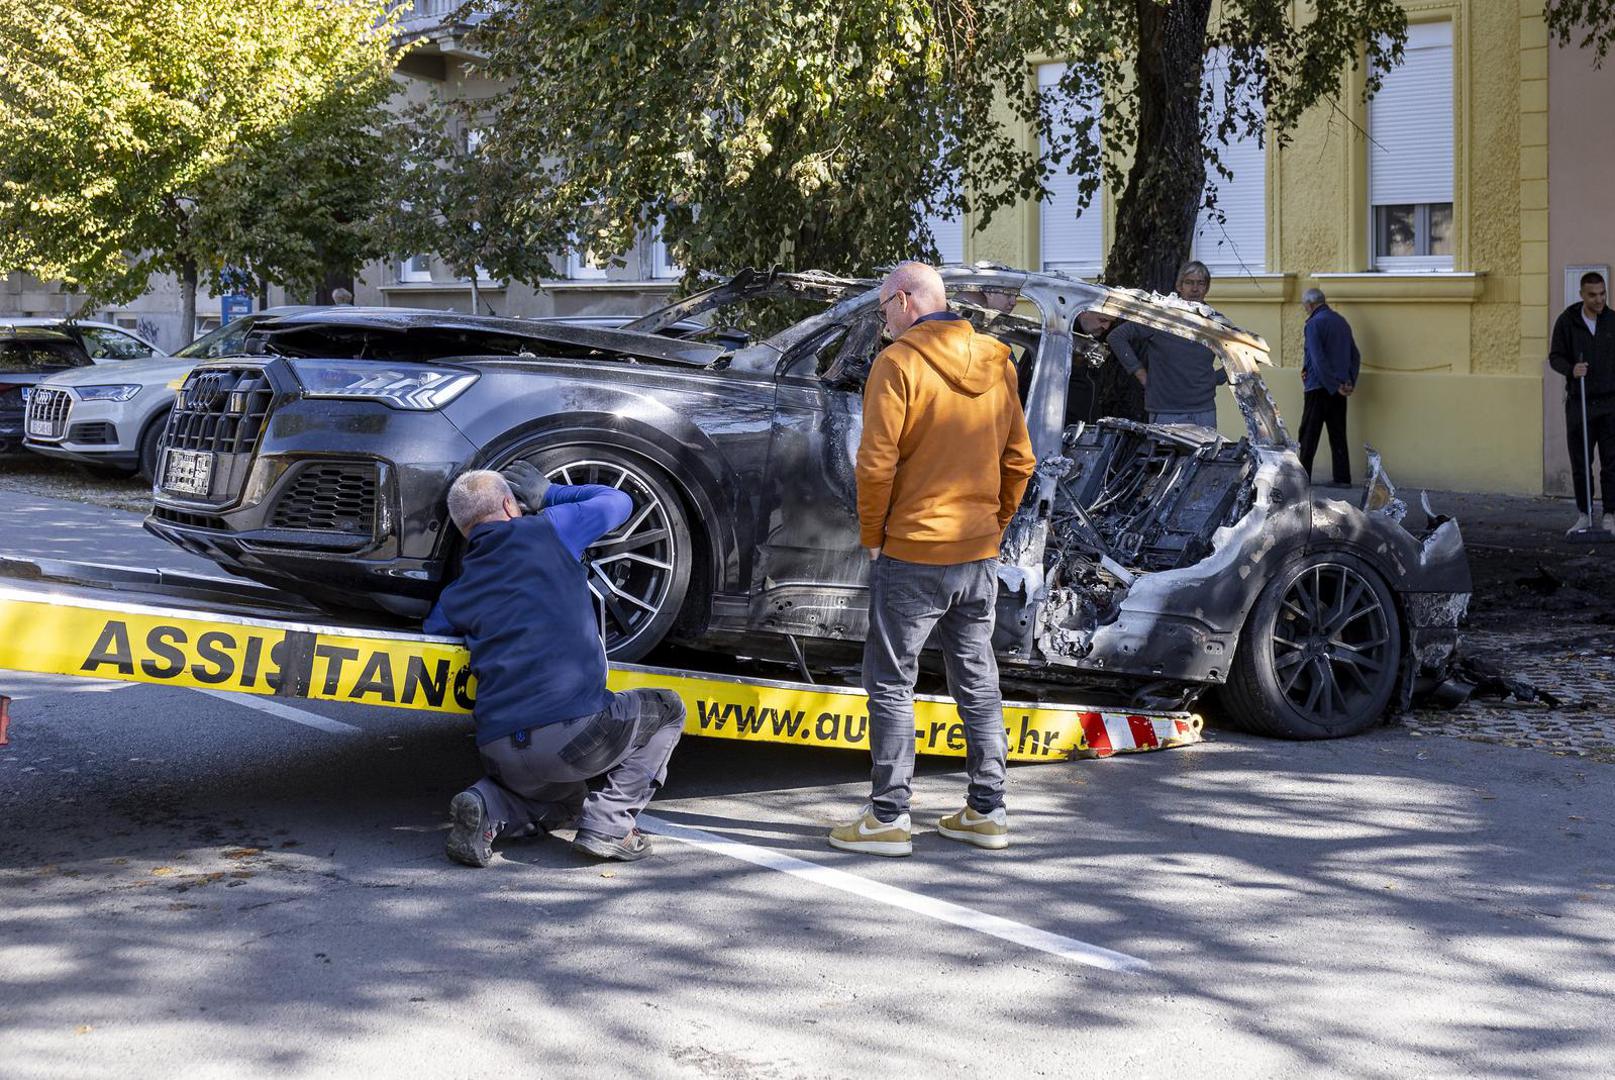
x: 909, y: 292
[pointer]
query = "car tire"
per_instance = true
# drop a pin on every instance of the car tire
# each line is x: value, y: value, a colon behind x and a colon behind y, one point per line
x: 149, y: 449
x: 639, y: 572
x: 1320, y: 653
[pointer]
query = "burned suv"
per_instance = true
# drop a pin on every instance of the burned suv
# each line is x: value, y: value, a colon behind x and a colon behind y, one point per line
x: 1145, y: 565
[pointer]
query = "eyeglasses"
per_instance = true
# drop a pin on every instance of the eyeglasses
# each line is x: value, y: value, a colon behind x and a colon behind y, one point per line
x: 890, y: 298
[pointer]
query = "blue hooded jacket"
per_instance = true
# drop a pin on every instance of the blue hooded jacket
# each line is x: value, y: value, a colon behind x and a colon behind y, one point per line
x: 523, y: 606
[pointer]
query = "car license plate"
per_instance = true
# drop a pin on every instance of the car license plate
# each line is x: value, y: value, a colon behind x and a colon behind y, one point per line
x: 42, y: 428
x: 189, y: 472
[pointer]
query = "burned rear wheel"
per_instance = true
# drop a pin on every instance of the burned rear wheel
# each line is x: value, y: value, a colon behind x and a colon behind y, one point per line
x: 639, y: 572
x: 1319, y: 654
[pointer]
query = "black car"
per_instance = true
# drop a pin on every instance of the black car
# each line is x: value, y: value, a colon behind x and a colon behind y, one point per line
x: 1147, y: 563
x: 32, y: 349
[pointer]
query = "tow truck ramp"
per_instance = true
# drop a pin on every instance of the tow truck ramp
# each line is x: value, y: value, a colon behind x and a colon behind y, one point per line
x: 210, y: 633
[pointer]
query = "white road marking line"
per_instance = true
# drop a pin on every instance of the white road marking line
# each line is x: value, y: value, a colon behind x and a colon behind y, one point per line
x: 32, y: 689
x: 285, y: 712
x: 945, y: 911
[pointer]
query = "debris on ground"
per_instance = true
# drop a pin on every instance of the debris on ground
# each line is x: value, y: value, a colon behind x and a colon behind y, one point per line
x: 1469, y: 677
x: 1544, y: 582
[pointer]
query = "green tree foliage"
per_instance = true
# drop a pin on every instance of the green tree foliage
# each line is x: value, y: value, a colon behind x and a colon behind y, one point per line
x: 458, y: 202
x: 1587, y: 24
x: 141, y: 136
x: 820, y: 133
x: 801, y: 130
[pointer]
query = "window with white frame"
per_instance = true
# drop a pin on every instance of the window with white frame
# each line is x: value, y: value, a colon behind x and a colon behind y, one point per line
x: 1238, y: 243
x: 663, y: 265
x: 583, y: 264
x: 415, y: 268
x: 1410, y: 156
x: 949, y: 231
x: 1070, y: 241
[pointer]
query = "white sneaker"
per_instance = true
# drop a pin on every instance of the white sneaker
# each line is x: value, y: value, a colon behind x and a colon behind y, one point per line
x: 1609, y: 524
x: 982, y: 830
x: 872, y: 836
x: 1583, y: 522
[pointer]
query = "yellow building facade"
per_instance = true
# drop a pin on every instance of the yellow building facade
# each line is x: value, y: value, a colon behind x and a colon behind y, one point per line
x: 1453, y: 385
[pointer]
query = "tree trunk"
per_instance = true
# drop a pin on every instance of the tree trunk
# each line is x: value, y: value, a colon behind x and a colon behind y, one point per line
x: 187, y: 302
x: 1156, y: 211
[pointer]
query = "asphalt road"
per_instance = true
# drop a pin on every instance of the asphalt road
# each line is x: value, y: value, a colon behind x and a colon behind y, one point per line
x: 191, y: 885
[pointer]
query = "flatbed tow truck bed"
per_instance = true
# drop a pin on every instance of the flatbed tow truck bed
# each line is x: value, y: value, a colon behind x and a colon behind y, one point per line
x: 214, y: 633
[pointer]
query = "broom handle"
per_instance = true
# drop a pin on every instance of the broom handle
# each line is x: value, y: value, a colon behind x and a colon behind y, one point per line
x: 1586, y: 448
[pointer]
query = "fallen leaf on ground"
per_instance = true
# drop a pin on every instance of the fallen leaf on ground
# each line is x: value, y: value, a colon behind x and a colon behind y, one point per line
x: 163, y: 871
x: 242, y: 853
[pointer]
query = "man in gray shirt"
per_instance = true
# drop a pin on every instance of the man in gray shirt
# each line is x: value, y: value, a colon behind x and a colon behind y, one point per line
x: 1180, y: 381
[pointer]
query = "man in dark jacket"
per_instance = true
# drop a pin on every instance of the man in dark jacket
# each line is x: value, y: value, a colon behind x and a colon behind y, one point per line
x: 1583, y: 351
x: 546, y: 723
x: 1328, y: 377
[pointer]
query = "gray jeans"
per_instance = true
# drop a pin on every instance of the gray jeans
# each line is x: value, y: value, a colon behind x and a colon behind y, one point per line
x: 906, y: 602
x: 542, y: 781
x: 1203, y: 417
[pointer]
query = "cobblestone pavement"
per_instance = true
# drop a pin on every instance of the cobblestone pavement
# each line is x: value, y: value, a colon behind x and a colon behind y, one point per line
x: 1580, y: 676
x: 1544, y: 610
x: 34, y: 475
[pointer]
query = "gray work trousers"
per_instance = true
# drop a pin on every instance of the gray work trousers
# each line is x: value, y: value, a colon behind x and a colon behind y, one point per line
x: 906, y: 602
x: 544, y: 783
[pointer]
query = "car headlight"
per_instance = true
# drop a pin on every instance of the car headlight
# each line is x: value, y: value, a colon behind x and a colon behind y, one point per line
x: 108, y: 393
x: 402, y: 386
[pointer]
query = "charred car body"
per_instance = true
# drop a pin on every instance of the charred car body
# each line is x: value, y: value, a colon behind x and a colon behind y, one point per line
x: 1147, y: 563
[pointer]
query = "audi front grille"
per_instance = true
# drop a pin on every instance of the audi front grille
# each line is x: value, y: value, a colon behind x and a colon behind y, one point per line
x: 222, y: 410
x: 48, y: 407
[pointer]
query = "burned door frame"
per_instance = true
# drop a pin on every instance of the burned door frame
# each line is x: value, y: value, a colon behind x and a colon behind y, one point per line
x: 822, y: 592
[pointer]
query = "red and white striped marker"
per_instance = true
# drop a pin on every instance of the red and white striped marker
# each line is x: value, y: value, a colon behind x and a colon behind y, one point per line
x: 1106, y: 733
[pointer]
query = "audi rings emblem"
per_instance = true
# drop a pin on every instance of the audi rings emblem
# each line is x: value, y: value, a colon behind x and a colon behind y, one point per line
x: 207, y: 390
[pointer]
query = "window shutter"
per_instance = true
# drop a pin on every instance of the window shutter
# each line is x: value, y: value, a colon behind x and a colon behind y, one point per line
x: 1238, y: 244
x: 950, y: 237
x: 1410, y: 158
x: 1071, y: 243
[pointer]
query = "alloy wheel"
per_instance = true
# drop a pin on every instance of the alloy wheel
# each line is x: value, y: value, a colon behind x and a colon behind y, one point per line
x: 631, y: 567
x: 1332, y: 647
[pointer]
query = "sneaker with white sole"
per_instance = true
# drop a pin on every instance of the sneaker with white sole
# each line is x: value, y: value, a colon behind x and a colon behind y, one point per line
x: 1583, y: 522
x: 630, y: 848
x: 872, y: 836
x: 471, y: 834
x: 983, y: 830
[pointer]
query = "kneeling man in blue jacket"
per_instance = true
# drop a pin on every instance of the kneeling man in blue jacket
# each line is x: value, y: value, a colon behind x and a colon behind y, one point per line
x: 546, y: 724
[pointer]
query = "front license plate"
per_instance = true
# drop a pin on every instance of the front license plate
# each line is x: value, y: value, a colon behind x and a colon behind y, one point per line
x: 188, y: 471
x: 41, y: 428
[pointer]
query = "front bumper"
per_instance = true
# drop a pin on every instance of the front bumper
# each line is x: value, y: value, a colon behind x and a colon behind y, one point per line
x: 341, y: 500
x: 92, y: 432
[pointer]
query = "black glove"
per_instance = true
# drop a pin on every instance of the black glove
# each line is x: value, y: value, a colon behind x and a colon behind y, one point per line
x: 527, y: 484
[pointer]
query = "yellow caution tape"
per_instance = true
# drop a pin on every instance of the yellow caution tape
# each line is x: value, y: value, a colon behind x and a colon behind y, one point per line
x: 72, y: 635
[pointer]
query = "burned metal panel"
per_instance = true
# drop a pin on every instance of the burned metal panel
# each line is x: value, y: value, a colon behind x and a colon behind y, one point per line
x: 807, y: 529
x: 1185, y: 622
x: 1435, y: 562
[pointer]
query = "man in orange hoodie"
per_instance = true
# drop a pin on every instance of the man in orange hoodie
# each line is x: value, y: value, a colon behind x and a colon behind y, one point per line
x: 942, y: 466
